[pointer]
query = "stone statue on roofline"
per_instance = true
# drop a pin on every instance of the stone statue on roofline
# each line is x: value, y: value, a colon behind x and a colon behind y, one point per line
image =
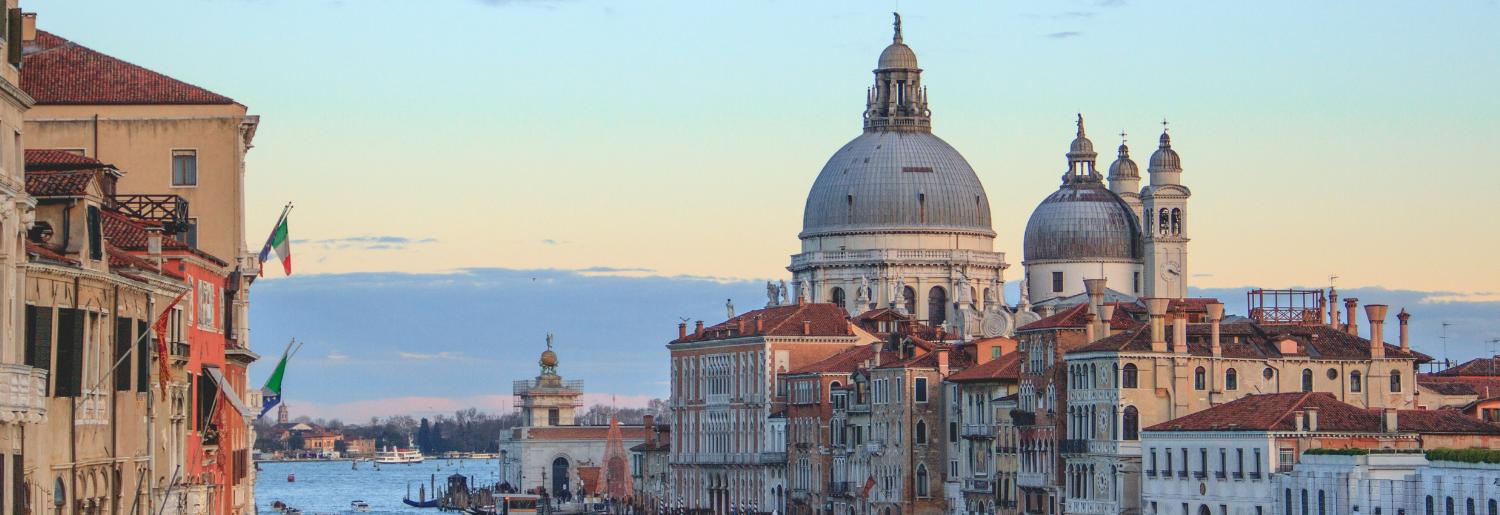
x: 804, y: 291
x: 729, y: 304
x: 772, y: 292
x: 783, y: 292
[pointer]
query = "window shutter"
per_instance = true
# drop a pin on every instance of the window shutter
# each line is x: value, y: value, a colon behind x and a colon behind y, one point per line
x: 143, y: 358
x: 96, y: 234
x: 13, y: 30
x: 69, y: 369
x: 39, y: 336
x: 122, y: 348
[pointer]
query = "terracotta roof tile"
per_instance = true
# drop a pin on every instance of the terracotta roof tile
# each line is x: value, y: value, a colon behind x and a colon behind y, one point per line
x: 130, y: 234
x: 1482, y: 367
x: 59, y: 72
x: 58, y: 184
x: 1255, y: 341
x: 1007, y: 366
x: 827, y: 320
x: 1481, y: 386
x: 47, y: 254
x: 47, y: 159
x: 1073, y: 318
x: 846, y: 361
x: 1277, y: 412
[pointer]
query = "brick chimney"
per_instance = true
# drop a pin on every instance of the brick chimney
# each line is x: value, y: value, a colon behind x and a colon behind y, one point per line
x: 1158, y: 311
x: 647, y: 421
x: 760, y: 325
x: 1376, y: 312
x: 699, y: 330
x: 1215, y: 315
x: 806, y: 327
x: 1096, y: 289
x: 1333, y: 303
x: 682, y: 330
x: 28, y: 27
x: 153, y: 245
x: 740, y: 325
x: 1312, y: 418
x: 1352, y: 327
x: 1403, y: 316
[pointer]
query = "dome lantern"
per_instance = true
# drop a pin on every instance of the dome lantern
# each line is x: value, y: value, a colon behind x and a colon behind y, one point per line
x: 1081, y: 159
x: 898, y: 101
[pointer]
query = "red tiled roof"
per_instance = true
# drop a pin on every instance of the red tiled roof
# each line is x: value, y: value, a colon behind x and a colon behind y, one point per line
x: 846, y: 361
x: 956, y: 360
x: 130, y: 234
x: 1255, y: 341
x: 47, y: 159
x: 1007, y: 366
x: 1277, y: 412
x: 60, y: 72
x: 827, y: 320
x: 1073, y: 318
x: 1482, y: 367
x: 1481, y: 386
x: 47, y: 254
x: 58, y: 184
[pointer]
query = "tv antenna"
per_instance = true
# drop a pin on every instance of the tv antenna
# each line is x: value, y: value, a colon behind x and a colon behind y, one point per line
x: 1445, y: 345
x: 1332, y: 281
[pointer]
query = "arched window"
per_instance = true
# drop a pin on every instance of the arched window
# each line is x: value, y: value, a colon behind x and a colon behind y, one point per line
x: 1469, y: 506
x: 1450, y: 506
x: 1176, y: 221
x: 1288, y: 501
x: 1231, y: 380
x: 922, y: 488
x: 1162, y: 222
x: 1131, y: 375
x: 1200, y: 379
x: 1354, y: 381
x: 1429, y: 505
x: 1395, y: 381
x: 59, y: 493
x: 911, y: 300
x: 1132, y: 424
x: 836, y: 296
x: 1307, y: 380
x: 1268, y: 373
x: 1322, y: 503
x: 1494, y: 510
x: 937, y: 306
x: 921, y: 432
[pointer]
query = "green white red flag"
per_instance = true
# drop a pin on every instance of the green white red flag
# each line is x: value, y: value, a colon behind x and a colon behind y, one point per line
x: 278, y: 241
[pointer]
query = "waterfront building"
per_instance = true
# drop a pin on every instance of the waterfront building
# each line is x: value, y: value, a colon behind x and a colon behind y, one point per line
x: 898, y: 219
x: 550, y: 451
x: 816, y: 419
x: 1239, y: 458
x: 981, y: 433
x: 909, y: 416
x: 649, y: 468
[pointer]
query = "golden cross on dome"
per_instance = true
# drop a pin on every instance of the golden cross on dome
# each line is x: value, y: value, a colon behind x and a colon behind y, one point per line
x: 1122, y: 136
x: 1164, y: 125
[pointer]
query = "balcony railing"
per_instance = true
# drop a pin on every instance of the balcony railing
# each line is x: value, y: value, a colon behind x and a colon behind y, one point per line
x: 977, y: 486
x: 983, y: 431
x: 1182, y: 474
x: 772, y: 457
x: 874, y: 447
x: 1239, y: 475
x: 1073, y: 446
x: 23, y: 391
x: 1200, y: 475
x: 1285, y: 467
x: 1255, y: 476
x: 1219, y: 475
x: 839, y: 488
x: 1008, y: 504
x: 799, y: 495
x: 170, y: 210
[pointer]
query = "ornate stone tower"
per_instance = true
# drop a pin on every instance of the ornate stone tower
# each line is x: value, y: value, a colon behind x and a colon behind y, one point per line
x: 548, y: 400
x: 1164, y: 222
x: 1125, y: 179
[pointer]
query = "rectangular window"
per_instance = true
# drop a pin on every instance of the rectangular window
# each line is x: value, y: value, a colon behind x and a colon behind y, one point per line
x: 189, y: 236
x: 952, y: 468
x: 68, y: 369
x: 143, y: 358
x: 123, y: 342
x: 919, y: 387
x: 208, y: 393
x: 1152, y: 470
x: 952, y: 432
x: 1057, y: 282
x: 899, y: 380
x: 39, y: 337
x: 96, y: 234
x: 184, y: 168
x: 1257, y: 463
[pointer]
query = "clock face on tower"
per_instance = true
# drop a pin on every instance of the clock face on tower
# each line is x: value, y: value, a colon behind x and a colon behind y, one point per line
x: 1171, y: 271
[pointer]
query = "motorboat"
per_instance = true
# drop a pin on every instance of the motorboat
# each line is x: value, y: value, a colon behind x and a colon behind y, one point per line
x: 359, y: 506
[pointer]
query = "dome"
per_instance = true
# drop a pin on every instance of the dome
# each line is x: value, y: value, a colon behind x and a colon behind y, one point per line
x: 1082, y: 221
x: 886, y: 181
x: 549, y: 358
x: 1081, y: 145
x: 898, y: 55
x: 1124, y: 168
x: 1165, y: 158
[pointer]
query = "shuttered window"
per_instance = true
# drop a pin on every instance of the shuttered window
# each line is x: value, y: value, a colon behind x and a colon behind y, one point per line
x: 208, y: 392
x: 96, y: 234
x: 39, y: 337
x: 69, y: 367
x: 123, y: 340
x: 143, y: 358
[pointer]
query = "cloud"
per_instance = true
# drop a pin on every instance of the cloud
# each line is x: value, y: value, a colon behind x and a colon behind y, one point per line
x: 1062, y: 35
x: 609, y: 269
x: 440, y: 355
x: 550, y: 241
x: 1072, y: 15
x: 1110, y: 3
x: 338, y: 356
x: 498, y: 3
x: 364, y: 243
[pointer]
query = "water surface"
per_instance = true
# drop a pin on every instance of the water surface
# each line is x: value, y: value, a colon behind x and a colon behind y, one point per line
x: 329, y: 486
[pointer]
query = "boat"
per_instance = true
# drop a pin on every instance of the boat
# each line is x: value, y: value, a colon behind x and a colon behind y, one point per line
x: 421, y: 504
x: 278, y: 505
x: 394, y: 455
x: 292, y: 511
x: 359, y: 506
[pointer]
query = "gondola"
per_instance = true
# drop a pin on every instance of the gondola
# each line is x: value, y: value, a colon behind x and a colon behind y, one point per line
x: 421, y: 504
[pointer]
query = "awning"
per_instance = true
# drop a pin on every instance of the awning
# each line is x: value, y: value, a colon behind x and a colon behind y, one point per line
x: 234, y: 398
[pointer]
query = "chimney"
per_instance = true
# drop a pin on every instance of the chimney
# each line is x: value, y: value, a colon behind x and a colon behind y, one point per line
x: 1298, y: 421
x: 1391, y: 424
x: 153, y: 244
x: 699, y: 330
x: 1403, y: 316
x: 806, y: 327
x: 943, y: 361
x: 1312, y: 418
x: 1215, y: 315
x: 1108, y: 314
x: 1096, y: 289
x: 682, y: 330
x: 1179, y: 331
x: 1376, y: 312
x: 1322, y: 309
x: 1046, y: 310
x: 1089, y: 335
x: 646, y: 420
x: 1351, y: 327
x: 1333, y: 303
x: 740, y: 322
x: 875, y: 346
x: 1158, y: 310
x: 28, y: 26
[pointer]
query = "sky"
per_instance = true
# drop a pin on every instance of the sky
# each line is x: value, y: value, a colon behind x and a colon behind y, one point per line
x: 675, y: 141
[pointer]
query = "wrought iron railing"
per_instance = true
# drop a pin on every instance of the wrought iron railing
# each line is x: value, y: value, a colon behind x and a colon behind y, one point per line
x: 170, y: 210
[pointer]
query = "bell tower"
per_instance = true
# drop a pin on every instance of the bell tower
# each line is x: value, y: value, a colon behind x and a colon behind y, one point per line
x: 1164, y: 224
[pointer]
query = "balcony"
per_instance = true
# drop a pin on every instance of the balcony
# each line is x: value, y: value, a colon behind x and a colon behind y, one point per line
x: 979, y: 431
x: 1255, y: 476
x: 1239, y: 476
x: 767, y: 458
x: 180, y: 351
x: 1005, y: 450
x: 840, y: 488
x: 23, y: 392
x: 1073, y: 446
x: 980, y: 486
x: 1182, y: 474
x: 1219, y: 475
x: 1200, y: 475
x: 799, y: 495
x: 170, y: 210
x: 1285, y: 468
x: 875, y: 448
x: 1032, y: 480
x: 1008, y: 504
x: 859, y: 408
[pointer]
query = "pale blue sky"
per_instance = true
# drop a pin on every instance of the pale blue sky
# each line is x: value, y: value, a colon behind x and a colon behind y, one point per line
x: 680, y: 137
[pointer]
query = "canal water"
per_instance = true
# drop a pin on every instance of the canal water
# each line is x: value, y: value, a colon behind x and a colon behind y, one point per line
x: 327, y: 487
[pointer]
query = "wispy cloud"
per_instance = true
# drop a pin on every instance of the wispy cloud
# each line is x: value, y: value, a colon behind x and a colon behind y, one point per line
x: 551, y: 241
x: 1110, y: 3
x: 337, y: 356
x: 1062, y: 35
x: 1072, y: 15
x: 364, y: 243
x: 440, y: 355
x: 610, y: 270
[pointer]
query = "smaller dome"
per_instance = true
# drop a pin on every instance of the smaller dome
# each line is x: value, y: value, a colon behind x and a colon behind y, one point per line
x: 1165, y: 158
x: 1081, y: 144
x: 898, y: 55
x: 1124, y: 168
x: 549, y: 358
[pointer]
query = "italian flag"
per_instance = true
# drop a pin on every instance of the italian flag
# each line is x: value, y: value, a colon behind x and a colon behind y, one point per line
x: 278, y: 240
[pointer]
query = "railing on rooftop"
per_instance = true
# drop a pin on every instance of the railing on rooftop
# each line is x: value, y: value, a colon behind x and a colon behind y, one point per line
x: 1286, y: 306
x: 170, y: 210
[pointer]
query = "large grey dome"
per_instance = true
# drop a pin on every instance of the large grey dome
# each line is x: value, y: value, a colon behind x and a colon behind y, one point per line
x: 1083, y: 221
x: 896, y: 181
